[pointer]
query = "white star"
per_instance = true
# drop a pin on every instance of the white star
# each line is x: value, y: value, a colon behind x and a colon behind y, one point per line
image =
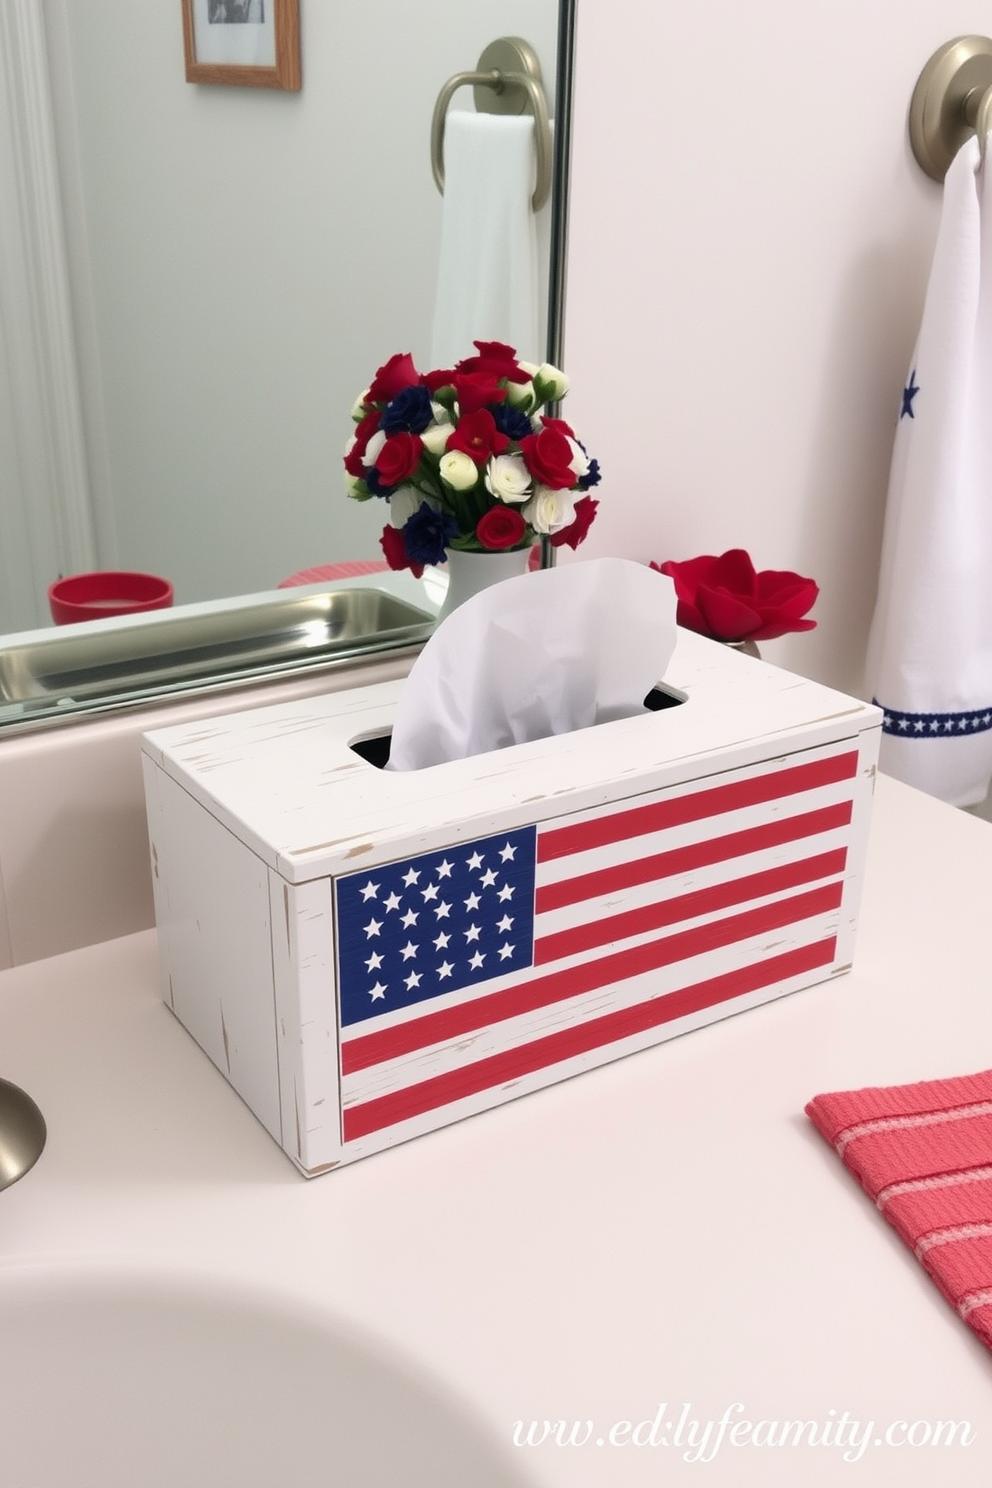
x: 408, y: 950
x: 441, y: 941
x: 444, y: 869
x: 373, y: 927
x: 505, y: 951
x: 473, y: 932
x: 393, y: 902
x: 413, y: 980
x: 488, y: 879
x: 506, y: 892
x: 904, y: 723
x: 477, y: 960
x: 378, y: 992
x: 442, y: 910
x: 370, y: 890
x: 472, y: 902
x: 374, y: 961
x: 508, y: 853
x: 411, y: 876
x: 410, y: 918
x: 431, y: 891
x: 475, y: 861
x: 505, y: 924
x: 918, y: 725
x: 445, y: 969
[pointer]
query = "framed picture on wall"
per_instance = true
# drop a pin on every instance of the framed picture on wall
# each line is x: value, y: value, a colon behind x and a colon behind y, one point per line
x: 244, y: 43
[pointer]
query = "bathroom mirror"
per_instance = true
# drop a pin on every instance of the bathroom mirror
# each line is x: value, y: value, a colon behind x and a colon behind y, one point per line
x: 240, y: 260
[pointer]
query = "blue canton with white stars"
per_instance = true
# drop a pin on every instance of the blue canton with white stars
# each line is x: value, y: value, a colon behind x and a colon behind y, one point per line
x: 412, y: 930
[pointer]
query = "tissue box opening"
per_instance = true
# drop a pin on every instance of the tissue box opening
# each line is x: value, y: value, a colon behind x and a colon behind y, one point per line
x: 375, y: 751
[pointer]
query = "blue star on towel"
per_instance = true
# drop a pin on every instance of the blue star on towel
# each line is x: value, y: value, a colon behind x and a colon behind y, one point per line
x: 908, y: 394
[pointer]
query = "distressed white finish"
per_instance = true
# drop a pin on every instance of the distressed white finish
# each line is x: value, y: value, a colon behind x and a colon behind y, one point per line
x: 254, y: 816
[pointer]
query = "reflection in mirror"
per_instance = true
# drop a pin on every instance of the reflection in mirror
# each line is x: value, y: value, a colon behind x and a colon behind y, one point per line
x: 237, y: 262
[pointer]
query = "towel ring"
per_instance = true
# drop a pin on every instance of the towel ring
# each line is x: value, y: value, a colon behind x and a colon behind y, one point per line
x: 507, y: 81
x: 952, y: 100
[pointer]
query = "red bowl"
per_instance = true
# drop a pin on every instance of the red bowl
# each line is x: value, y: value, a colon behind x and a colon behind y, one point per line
x: 104, y: 596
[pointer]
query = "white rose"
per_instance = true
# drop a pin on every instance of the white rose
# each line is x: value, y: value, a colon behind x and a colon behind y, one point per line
x: 553, y: 383
x: 528, y: 367
x: 580, y: 460
x: 351, y: 485
x: 458, y: 470
x: 373, y: 448
x: 508, y: 478
x: 360, y: 407
x: 404, y: 501
x: 519, y: 393
x: 549, y: 511
x: 435, y: 437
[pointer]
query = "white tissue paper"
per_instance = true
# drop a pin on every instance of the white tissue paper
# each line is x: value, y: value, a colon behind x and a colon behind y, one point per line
x: 542, y: 654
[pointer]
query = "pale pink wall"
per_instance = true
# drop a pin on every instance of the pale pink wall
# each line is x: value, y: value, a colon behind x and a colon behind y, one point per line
x: 749, y: 243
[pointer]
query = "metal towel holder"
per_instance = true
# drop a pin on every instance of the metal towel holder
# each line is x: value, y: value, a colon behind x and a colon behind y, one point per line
x: 952, y: 99
x: 507, y: 81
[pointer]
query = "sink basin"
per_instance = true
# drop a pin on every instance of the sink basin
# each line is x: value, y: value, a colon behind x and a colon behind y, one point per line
x: 113, y: 1378
x: 91, y: 664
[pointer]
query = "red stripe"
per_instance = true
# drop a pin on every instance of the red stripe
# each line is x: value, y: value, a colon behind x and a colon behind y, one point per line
x: 581, y: 1038
x: 557, y: 986
x: 617, y: 826
x: 599, y: 932
x: 693, y: 855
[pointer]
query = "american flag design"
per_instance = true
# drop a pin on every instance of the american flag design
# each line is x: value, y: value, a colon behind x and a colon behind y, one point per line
x: 525, y: 955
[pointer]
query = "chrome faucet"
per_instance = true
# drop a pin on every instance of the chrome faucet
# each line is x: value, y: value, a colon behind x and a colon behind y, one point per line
x: 22, y: 1133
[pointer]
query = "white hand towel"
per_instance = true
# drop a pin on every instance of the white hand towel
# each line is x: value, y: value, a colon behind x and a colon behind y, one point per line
x: 930, y: 650
x: 487, y: 284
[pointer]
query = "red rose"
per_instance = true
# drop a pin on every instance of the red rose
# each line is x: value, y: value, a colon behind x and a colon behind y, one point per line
x: 548, y: 457
x: 575, y: 532
x: 725, y: 598
x: 477, y: 436
x: 501, y: 527
x: 475, y: 389
x: 363, y: 433
x: 394, y: 551
x: 496, y: 358
x: 398, y: 458
x: 392, y: 377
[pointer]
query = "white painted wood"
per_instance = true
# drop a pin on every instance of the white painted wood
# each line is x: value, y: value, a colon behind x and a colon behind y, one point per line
x: 282, y: 787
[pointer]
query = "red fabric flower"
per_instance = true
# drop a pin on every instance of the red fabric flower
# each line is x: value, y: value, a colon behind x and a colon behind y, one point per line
x: 398, y: 458
x: 363, y: 433
x: 394, y: 551
x: 725, y: 598
x: 501, y: 527
x: 496, y: 358
x: 477, y: 436
x: 474, y: 390
x: 575, y: 532
x: 392, y: 377
x: 548, y: 457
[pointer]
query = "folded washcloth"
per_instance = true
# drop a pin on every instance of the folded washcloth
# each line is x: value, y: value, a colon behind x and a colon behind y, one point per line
x: 923, y: 1153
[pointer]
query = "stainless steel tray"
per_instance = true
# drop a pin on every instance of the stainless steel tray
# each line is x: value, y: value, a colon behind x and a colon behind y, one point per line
x: 83, y: 666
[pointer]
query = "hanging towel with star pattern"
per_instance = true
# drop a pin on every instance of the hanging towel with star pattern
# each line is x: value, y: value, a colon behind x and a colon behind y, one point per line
x: 930, y: 649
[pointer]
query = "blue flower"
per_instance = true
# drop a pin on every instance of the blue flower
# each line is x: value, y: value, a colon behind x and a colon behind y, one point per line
x: 427, y: 534
x: 592, y: 476
x: 510, y: 421
x: 409, y: 412
x: 375, y: 485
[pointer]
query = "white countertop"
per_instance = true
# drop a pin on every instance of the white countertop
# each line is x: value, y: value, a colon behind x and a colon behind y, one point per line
x: 667, y: 1229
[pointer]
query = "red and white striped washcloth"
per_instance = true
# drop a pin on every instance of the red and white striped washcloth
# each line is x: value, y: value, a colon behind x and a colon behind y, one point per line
x: 923, y: 1153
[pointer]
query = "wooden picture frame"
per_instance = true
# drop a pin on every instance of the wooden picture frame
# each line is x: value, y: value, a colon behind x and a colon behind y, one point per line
x: 243, y: 43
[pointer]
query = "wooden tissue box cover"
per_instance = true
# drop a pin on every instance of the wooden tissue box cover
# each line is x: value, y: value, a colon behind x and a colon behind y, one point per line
x: 368, y: 955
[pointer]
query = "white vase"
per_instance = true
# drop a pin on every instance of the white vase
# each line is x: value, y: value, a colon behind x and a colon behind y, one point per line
x: 470, y: 573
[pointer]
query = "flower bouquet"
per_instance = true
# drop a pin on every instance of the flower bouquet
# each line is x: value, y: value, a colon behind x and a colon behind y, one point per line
x: 467, y: 459
x: 727, y: 599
